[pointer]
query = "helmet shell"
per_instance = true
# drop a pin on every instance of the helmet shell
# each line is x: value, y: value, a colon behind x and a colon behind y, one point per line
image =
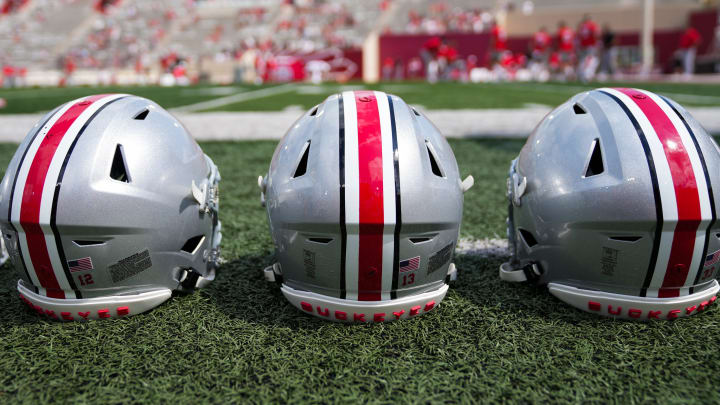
x: 364, y: 205
x: 98, y: 201
x: 619, y: 197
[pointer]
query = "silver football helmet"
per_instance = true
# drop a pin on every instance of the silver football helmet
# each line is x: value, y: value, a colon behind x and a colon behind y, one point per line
x: 613, y: 205
x: 107, y: 207
x: 364, y: 201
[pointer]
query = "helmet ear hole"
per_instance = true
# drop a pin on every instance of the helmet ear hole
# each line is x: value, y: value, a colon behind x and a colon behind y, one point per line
x: 323, y: 241
x: 630, y: 239
x: 527, y: 237
x: 192, y: 244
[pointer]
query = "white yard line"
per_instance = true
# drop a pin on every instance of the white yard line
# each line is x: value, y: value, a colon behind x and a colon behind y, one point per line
x: 482, y: 247
x: 235, y: 98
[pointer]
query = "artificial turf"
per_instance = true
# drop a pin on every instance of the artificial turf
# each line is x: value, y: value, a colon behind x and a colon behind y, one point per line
x: 240, y: 341
x: 431, y: 96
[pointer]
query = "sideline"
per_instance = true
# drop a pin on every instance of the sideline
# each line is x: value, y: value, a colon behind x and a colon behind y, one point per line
x: 272, y: 125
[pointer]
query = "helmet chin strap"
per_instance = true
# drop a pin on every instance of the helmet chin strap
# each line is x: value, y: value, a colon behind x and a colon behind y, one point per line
x: 513, y: 270
x: 208, y: 198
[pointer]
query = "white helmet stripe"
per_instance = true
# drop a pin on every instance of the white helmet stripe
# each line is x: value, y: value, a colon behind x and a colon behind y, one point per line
x: 352, y: 196
x: 389, y: 214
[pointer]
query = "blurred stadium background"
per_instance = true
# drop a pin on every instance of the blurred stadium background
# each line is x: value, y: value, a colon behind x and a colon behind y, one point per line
x: 246, y: 69
x: 516, y: 57
x: 166, y: 42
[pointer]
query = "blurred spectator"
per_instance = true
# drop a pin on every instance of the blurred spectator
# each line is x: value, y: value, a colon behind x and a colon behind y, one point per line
x: 607, y: 64
x: 102, y: 6
x: 388, y: 66
x: 8, y: 73
x: 588, y: 33
x: 498, y: 42
x: 540, y: 45
x: 414, y: 68
x: 440, y: 18
x: 689, y: 43
x: 12, y: 6
x: 566, y: 49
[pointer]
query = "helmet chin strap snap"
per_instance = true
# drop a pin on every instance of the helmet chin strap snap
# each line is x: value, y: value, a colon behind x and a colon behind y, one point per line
x: 273, y: 274
x: 262, y: 184
x: 467, y: 183
x: 519, y: 186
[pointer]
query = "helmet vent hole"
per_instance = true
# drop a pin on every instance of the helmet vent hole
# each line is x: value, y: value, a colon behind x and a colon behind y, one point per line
x: 314, y: 111
x: 433, y: 160
x: 625, y: 238
x: 579, y: 109
x: 302, y: 165
x: 88, y: 242
x: 118, y: 170
x: 324, y: 241
x: 528, y: 237
x: 192, y: 244
x: 419, y: 240
x: 142, y: 114
x: 415, y: 111
x: 595, y: 164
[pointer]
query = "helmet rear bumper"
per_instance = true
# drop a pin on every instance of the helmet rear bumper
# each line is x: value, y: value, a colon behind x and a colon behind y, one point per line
x: 636, y: 308
x: 118, y: 306
x: 350, y: 311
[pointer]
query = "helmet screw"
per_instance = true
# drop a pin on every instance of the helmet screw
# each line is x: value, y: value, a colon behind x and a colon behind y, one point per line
x: 680, y: 267
x: 364, y: 99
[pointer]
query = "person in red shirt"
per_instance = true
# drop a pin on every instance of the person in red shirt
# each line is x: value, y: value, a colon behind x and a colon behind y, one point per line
x: 498, y: 41
x: 566, y: 47
x: 588, y: 33
x: 565, y: 38
x: 689, y: 43
x: 540, y: 45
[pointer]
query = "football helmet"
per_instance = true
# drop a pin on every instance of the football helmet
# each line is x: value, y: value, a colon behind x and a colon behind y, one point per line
x: 613, y: 205
x: 364, y: 202
x: 107, y: 207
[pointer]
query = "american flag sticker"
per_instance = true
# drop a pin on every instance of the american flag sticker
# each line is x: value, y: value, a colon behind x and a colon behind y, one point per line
x: 410, y: 264
x: 80, y: 264
x: 712, y: 258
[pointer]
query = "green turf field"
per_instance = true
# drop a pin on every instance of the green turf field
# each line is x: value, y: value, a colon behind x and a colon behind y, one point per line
x: 437, y: 96
x: 239, y: 341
